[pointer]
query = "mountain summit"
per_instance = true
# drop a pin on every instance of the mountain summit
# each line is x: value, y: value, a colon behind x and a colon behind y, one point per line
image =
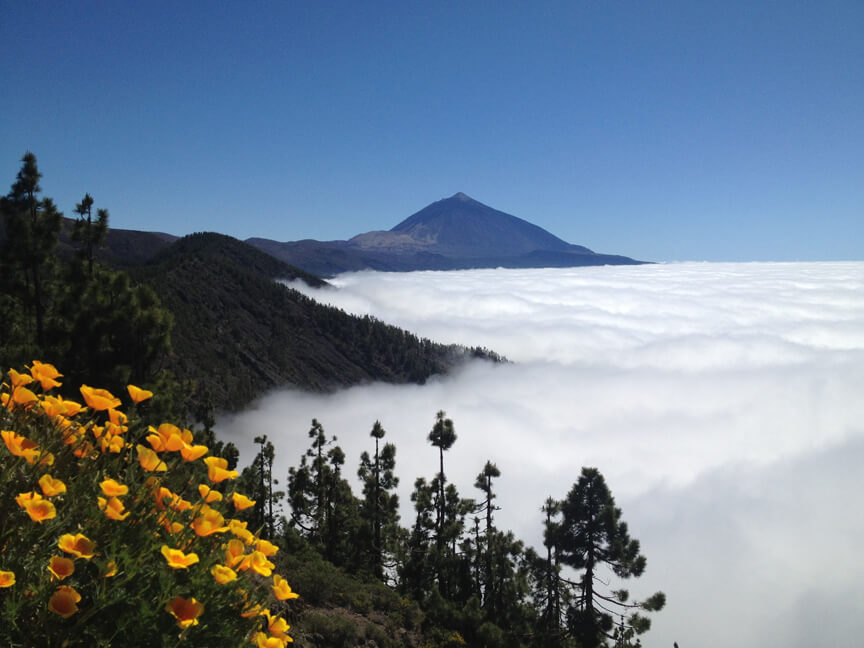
x: 450, y: 234
x: 462, y: 227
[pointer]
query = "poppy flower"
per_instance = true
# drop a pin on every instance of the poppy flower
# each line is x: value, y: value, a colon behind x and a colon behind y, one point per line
x: 7, y: 578
x: 186, y: 611
x: 113, y: 488
x: 99, y: 399
x: 38, y: 508
x: 223, y: 574
x: 50, y: 486
x: 64, y: 600
x: 241, y: 502
x: 217, y: 469
x: 149, y: 460
x: 281, y: 589
x: 78, y: 545
x: 45, y: 373
x: 137, y: 394
x: 177, y: 559
x: 20, y: 446
x: 60, y: 567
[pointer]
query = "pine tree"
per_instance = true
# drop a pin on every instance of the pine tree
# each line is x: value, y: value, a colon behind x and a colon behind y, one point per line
x: 592, y: 535
x: 380, y: 506
x: 88, y: 232
x: 32, y: 226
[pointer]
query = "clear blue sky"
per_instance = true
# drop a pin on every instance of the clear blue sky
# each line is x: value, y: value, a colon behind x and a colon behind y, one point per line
x: 661, y: 130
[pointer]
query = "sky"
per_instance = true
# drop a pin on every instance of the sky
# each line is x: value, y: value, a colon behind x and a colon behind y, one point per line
x: 663, y: 130
x: 721, y: 402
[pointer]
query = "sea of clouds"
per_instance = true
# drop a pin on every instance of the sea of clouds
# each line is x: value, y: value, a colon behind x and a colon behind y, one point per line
x: 724, y: 404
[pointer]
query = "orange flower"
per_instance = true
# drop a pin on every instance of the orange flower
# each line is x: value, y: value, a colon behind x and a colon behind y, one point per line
x: 193, y: 452
x: 63, y: 601
x: 22, y: 396
x: 150, y: 460
x: 7, y: 578
x: 241, y: 502
x: 210, y: 521
x: 217, y: 470
x: 177, y: 559
x: 110, y: 569
x: 113, y: 488
x: 223, y: 574
x: 186, y: 611
x: 99, y: 399
x: 50, y: 486
x: 20, y: 446
x: 78, y: 545
x: 209, y: 494
x: 19, y: 379
x: 60, y: 567
x: 137, y: 394
x: 37, y: 508
x: 281, y: 589
x: 167, y: 438
x: 113, y: 508
x: 45, y: 374
x: 117, y: 418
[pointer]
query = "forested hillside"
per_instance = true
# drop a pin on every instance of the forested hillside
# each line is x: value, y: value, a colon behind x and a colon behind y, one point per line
x: 238, y: 332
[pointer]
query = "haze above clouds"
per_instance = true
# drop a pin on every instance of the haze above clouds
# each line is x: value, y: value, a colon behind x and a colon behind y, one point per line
x: 722, y: 402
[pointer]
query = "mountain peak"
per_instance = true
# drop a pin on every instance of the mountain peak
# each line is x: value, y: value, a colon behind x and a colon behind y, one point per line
x: 461, y: 196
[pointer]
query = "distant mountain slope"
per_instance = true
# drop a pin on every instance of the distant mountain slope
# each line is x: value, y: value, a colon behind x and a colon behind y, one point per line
x: 238, y: 333
x: 454, y: 233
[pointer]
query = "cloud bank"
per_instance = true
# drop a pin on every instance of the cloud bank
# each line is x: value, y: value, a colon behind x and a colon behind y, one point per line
x: 722, y: 402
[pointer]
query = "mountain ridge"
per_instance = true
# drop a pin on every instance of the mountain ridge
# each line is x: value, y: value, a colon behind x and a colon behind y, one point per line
x: 454, y: 233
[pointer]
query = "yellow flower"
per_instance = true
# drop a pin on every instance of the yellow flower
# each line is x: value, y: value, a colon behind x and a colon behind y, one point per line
x: 78, y: 545
x: 263, y: 641
x: 20, y: 446
x: 209, y: 494
x: 150, y: 460
x: 137, y: 394
x: 223, y: 574
x: 234, y: 552
x: 50, y: 486
x: 257, y: 562
x: 99, y: 399
x: 177, y: 559
x: 60, y: 567
x: 113, y: 488
x: 111, y: 443
x: 63, y: 601
x: 113, y: 508
x: 241, y: 502
x: 7, y: 578
x: 37, y: 508
x: 110, y: 569
x: 281, y: 589
x: 45, y: 374
x: 210, y: 521
x: 277, y: 626
x: 186, y: 611
x: 217, y: 470
x: 266, y: 547
x: 239, y: 529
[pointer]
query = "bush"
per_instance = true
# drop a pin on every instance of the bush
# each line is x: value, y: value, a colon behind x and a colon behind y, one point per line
x: 113, y: 533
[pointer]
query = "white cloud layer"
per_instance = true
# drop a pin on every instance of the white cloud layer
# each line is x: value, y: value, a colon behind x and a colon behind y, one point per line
x: 722, y: 402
